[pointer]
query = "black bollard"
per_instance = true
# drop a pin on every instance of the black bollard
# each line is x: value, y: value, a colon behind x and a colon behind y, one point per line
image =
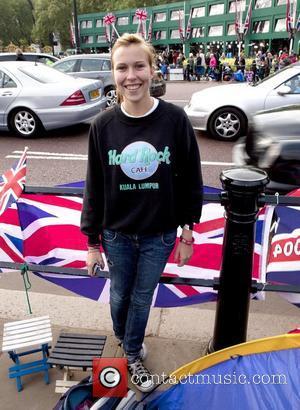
x: 242, y: 187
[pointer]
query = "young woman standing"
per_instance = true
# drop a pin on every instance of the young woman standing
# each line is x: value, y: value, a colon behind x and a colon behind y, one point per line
x: 143, y: 182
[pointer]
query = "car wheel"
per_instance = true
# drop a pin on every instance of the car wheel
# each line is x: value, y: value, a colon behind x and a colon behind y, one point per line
x: 25, y: 123
x: 111, y: 96
x: 227, y: 124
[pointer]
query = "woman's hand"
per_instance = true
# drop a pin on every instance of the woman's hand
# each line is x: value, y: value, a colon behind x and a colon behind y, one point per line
x: 183, y: 253
x: 94, y: 258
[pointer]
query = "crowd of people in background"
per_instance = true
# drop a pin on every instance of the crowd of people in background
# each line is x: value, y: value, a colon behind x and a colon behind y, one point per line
x: 213, y: 65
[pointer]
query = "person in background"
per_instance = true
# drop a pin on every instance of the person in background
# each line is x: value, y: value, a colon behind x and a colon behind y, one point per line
x: 143, y: 182
x: 19, y: 55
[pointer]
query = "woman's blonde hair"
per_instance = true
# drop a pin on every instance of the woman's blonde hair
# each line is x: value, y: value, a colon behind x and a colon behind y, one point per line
x: 127, y: 40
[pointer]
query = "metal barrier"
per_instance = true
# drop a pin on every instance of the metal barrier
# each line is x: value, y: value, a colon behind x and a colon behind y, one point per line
x: 242, y: 196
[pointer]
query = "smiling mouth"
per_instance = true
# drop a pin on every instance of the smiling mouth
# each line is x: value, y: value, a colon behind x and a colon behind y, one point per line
x: 132, y: 87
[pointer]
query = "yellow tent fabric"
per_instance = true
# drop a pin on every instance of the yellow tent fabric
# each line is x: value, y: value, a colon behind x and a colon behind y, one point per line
x: 269, y: 344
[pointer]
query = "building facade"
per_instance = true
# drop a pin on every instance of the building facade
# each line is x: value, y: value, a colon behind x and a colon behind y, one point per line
x: 212, y: 27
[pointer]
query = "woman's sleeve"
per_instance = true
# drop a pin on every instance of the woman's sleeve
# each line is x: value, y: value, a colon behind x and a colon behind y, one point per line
x: 93, y: 198
x: 190, y: 173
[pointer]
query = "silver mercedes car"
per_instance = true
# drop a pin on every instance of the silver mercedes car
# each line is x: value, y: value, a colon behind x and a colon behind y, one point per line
x: 224, y: 110
x: 35, y: 97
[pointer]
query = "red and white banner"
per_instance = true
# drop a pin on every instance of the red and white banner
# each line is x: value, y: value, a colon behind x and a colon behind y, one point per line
x: 188, y: 31
x: 150, y: 28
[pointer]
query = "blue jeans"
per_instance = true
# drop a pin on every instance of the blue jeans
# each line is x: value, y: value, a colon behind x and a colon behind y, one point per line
x: 135, y: 263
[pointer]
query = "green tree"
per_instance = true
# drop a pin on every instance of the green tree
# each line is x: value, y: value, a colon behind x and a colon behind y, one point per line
x: 16, y: 21
x: 52, y: 16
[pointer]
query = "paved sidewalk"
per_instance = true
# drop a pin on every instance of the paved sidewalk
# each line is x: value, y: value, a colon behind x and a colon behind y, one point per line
x: 174, y: 336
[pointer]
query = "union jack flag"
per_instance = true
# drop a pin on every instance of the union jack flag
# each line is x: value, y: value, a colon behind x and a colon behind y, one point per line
x: 12, y: 183
x: 189, y: 26
x: 150, y: 28
x: 248, y: 18
x: 51, y: 236
x: 288, y: 18
x: 109, y: 19
x: 284, y: 255
x: 180, y: 25
x: 141, y: 14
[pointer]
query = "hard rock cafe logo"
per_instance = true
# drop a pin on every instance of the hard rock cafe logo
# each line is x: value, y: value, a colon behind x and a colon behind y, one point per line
x: 139, y: 160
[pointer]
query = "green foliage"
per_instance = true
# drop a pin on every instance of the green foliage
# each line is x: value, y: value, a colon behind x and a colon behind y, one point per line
x: 24, y: 21
x: 16, y: 21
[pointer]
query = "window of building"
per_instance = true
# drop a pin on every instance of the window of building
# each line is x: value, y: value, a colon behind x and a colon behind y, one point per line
x: 101, y: 39
x: 198, y: 12
x: 159, y: 17
x: 86, y: 24
x: 231, y: 30
x: 280, y: 25
x: 175, y: 34
x: 198, y: 32
x: 232, y: 6
x: 281, y: 2
x: 216, y: 9
x: 175, y: 14
x: 160, y: 35
x: 261, y: 26
x: 215, y: 31
x: 99, y: 23
x: 87, y: 39
x: 123, y: 21
x: 262, y: 4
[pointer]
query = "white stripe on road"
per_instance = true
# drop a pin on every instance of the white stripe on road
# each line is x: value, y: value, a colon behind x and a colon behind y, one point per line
x: 217, y: 163
x: 82, y: 157
x: 51, y: 153
x: 52, y: 157
x: 175, y: 101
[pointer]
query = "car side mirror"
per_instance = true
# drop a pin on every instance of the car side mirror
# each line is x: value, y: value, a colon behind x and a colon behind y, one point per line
x: 284, y: 89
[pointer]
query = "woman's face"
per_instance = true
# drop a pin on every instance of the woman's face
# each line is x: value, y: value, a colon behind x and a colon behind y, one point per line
x: 132, y: 73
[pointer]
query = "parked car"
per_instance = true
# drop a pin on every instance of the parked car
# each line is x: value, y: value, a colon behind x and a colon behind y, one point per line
x: 34, y: 97
x: 224, y: 110
x: 38, y: 57
x: 98, y: 66
x: 273, y: 144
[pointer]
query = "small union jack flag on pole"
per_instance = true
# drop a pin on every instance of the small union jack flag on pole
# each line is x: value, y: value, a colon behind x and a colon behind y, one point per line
x: 12, y: 183
x: 189, y: 26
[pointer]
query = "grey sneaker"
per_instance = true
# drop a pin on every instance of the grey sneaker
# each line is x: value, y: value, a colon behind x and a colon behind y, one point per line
x: 141, y: 377
x: 143, y: 352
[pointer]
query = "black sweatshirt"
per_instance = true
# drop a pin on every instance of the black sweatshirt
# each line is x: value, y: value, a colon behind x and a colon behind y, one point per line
x: 143, y: 174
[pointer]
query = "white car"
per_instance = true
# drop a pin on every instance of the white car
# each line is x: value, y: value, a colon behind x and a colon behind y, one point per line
x: 224, y: 110
x: 35, y: 97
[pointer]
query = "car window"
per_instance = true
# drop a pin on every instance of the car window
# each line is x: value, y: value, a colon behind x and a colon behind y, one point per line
x: 91, y: 64
x: 106, y: 66
x: 45, y: 60
x: 43, y: 73
x: 8, y: 57
x: 294, y: 84
x: 6, y: 81
x: 66, y: 66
